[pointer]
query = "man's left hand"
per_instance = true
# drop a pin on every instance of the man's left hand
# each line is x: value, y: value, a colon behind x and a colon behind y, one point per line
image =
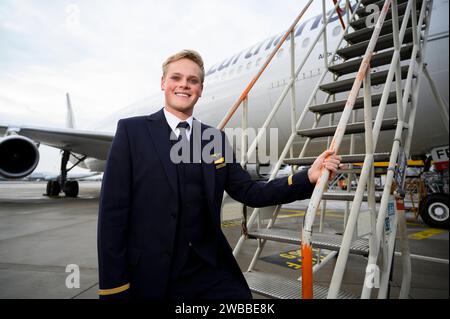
x: 328, y: 160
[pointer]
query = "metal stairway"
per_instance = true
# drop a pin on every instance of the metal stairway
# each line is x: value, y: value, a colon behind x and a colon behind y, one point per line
x: 400, y: 50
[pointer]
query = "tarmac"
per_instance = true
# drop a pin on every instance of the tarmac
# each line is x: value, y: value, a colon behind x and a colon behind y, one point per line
x: 41, y: 237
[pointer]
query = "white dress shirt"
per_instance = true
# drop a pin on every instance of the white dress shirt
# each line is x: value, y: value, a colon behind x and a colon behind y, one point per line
x: 173, y: 122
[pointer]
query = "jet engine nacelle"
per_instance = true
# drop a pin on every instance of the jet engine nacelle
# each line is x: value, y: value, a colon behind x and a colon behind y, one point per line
x: 19, y: 156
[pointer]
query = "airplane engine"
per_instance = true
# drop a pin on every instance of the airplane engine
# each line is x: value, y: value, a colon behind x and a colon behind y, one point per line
x: 19, y: 156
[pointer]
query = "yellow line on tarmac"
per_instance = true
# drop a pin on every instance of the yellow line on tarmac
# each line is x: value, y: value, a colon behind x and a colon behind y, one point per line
x: 427, y: 233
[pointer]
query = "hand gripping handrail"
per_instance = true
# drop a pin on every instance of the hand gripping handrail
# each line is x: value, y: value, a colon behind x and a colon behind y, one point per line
x: 307, y: 288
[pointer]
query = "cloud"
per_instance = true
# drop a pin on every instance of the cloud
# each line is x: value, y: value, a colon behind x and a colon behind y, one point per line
x: 107, y: 54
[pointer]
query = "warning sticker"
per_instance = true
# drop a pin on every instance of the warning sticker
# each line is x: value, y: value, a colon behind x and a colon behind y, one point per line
x: 293, y: 258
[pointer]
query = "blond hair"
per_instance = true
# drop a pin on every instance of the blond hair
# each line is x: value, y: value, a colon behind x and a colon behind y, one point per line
x: 192, y: 55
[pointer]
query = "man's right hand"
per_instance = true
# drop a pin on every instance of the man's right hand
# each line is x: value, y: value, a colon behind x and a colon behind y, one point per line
x: 328, y: 160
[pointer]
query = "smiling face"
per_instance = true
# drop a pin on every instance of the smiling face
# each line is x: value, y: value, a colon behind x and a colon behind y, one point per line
x: 182, y: 87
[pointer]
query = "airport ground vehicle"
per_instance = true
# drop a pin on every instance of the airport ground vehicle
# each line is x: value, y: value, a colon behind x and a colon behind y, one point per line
x: 428, y: 192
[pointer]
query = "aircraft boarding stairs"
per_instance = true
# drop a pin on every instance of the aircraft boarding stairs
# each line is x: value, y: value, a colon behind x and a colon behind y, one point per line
x: 398, y: 52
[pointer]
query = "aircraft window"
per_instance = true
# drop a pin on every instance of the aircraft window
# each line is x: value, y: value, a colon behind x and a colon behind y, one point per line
x: 337, y: 30
x: 249, y: 65
x: 306, y: 42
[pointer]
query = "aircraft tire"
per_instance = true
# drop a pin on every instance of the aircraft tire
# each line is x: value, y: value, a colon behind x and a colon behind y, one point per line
x: 434, y: 210
x: 53, y: 188
x: 71, y: 189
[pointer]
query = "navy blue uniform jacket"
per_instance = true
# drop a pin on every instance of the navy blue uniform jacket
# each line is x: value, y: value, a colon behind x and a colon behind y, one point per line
x: 138, y: 206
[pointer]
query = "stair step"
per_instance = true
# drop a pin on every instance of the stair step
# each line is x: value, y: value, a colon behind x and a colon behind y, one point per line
x: 364, y: 35
x: 319, y: 240
x: 345, y: 85
x: 346, y: 197
x: 384, y: 42
x: 338, y: 106
x: 378, y: 59
x: 352, y: 128
x: 356, y: 158
x: 273, y: 286
x: 361, y: 12
x: 362, y: 23
x: 367, y: 2
x: 357, y: 171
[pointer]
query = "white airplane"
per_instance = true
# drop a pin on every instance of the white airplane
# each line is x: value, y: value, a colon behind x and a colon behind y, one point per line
x: 224, y: 82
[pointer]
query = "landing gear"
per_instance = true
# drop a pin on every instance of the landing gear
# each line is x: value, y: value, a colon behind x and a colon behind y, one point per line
x: 70, y: 188
x: 53, y: 188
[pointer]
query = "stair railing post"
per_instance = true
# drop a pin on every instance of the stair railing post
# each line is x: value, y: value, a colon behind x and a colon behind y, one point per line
x: 244, y: 125
x: 293, y: 93
x: 370, y: 189
x: 390, y: 77
x: 315, y: 199
x: 347, y: 12
x: 350, y: 176
x: 391, y: 169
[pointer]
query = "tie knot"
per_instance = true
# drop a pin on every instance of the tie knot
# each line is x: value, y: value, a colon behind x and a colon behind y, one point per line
x: 184, y: 125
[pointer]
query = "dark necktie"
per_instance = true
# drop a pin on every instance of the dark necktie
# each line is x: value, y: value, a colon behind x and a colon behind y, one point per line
x: 182, y: 137
x: 183, y: 127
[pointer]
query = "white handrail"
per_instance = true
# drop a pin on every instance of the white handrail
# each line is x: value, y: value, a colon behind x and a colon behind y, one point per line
x: 252, y: 148
x: 387, y: 189
x: 335, y: 144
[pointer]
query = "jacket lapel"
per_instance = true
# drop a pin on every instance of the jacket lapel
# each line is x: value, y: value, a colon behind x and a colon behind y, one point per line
x: 157, y: 126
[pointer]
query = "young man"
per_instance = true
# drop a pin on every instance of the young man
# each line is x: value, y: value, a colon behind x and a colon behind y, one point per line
x: 159, y: 232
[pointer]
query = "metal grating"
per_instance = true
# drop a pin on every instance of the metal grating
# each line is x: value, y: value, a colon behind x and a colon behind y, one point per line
x: 319, y: 240
x: 273, y: 286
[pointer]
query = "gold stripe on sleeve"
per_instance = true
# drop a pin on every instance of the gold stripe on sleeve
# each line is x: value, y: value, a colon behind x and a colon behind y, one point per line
x: 290, y: 180
x: 106, y: 292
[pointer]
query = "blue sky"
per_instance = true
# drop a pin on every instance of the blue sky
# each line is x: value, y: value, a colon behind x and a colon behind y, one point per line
x: 108, y: 53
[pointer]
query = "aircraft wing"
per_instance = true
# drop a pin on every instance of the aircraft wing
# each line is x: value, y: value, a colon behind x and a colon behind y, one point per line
x: 89, y: 143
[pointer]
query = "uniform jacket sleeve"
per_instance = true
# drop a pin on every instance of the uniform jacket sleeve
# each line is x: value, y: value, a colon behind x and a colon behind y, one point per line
x: 242, y: 188
x: 114, y: 212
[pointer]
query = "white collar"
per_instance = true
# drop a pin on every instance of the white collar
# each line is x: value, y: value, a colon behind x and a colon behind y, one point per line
x: 173, y: 122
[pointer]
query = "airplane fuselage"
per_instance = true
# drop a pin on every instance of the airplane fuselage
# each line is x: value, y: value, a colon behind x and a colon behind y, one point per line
x: 226, y: 80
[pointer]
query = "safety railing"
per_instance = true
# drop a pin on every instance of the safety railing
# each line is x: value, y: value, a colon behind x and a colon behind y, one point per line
x: 307, y: 289
x: 367, y: 174
x: 294, y: 73
x: 402, y: 110
x: 291, y: 83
